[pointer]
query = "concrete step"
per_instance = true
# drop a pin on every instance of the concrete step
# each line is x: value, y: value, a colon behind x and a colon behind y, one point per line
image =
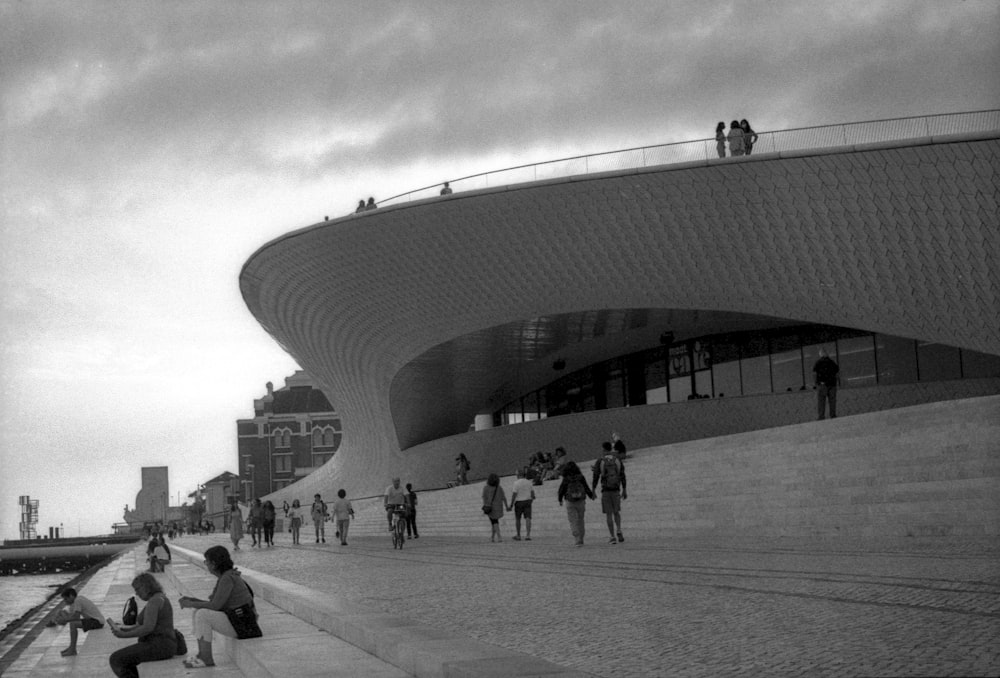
x: 925, y: 470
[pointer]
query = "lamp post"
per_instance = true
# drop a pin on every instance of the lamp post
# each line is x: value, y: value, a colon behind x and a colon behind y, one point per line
x: 252, y: 471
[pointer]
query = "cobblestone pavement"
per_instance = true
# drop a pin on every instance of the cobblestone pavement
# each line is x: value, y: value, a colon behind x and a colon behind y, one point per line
x: 682, y: 607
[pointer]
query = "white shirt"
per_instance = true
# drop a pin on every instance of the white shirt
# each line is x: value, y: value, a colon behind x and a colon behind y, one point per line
x: 523, y: 489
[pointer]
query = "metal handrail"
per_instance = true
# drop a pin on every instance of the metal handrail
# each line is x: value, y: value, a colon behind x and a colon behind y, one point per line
x: 800, y: 138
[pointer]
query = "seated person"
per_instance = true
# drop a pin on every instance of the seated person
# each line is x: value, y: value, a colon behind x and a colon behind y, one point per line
x: 79, y: 613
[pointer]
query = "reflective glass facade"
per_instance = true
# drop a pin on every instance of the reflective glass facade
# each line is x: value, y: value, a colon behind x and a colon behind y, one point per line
x: 748, y: 363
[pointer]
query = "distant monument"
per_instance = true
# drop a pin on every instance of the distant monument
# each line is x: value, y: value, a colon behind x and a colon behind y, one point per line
x: 151, y: 502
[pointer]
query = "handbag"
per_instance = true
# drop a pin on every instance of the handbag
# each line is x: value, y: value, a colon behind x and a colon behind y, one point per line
x: 182, y: 647
x: 487, y: 508
x: 244, y: 619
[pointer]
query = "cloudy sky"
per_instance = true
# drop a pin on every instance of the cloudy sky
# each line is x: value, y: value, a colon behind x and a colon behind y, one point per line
x: 149, y: 148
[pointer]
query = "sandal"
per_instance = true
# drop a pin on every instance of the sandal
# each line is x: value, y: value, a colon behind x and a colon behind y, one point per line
x: 195, y: 662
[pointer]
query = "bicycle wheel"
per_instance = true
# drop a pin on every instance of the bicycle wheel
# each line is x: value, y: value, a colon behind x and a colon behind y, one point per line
x: 400, y: 537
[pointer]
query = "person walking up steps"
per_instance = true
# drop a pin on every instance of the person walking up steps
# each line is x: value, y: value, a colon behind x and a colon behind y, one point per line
x: 575, y: 491
x: 610, y: 471
x: 520, y: 504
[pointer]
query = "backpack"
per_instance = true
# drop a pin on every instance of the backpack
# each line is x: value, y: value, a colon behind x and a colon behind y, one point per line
x: 611, y: 477
x: 130, y: 612
x: 575, y: 490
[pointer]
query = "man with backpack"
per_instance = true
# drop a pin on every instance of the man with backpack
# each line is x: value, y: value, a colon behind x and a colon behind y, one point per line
x: 610, y: 472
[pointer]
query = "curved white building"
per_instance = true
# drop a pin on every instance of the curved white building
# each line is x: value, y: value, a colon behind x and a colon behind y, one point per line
x: 609, y: 299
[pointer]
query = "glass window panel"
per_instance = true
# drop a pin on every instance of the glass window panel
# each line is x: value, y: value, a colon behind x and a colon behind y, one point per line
x: 756, y: 375
x: 656, y: 369
x: 857, y: 361
x: 702, y: 354
x: 897, y: 359
x: 680, y: 389
x: 703, y: 382
x: 615, y: 387
x: 754, y: 345
x: 786, y: 370
x: 656, y: 395
x: 937, y: 362
x: 679, y: 362
x: 724, y: 350
x: 977, y: 365
x: 727, y: 379
x: 530, y: 403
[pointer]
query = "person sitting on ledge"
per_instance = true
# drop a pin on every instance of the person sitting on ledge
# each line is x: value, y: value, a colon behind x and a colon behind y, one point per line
x: 231, y: 599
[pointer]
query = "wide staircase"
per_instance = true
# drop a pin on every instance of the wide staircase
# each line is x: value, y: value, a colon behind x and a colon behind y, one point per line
x: 917, y: 471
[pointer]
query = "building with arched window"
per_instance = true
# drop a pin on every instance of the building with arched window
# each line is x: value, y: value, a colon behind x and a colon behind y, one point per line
x: 293, y: 432
x: 665, y: 302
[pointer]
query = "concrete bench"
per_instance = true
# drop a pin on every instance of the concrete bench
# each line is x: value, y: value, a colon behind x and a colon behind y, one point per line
x: 291, y: 645
x: 411, y: 648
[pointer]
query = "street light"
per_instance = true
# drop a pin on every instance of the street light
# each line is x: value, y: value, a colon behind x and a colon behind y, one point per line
x: 251, y: 469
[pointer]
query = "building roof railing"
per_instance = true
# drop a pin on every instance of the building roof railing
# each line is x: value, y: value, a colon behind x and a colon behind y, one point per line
x: 802, y: 138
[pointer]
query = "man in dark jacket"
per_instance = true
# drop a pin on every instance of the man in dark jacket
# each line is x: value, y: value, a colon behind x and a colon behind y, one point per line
x: 825, y: 377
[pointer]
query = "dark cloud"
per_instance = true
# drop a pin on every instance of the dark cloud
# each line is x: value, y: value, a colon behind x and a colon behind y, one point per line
x: 212, y: 82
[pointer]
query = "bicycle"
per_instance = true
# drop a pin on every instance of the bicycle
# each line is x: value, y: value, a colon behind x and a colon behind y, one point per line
x: 398, y: 525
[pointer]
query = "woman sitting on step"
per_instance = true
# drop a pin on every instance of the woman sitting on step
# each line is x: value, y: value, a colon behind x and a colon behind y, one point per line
x: 230, y: 610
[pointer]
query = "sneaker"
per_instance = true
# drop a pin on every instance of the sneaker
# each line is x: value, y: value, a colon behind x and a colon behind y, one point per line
x: 527, y: 539
x: 612, y: 541
x: 621, y: 538
x: 516, y: 538
x: 68, y: 652
x: 324, y: 540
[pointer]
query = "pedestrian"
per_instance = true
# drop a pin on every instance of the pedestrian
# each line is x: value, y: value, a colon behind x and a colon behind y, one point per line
x: 284, y: 507
x: 295, y: 518
x: 462, y: 467
x: 446, y: 190
x: 361, y: 206
x: 371, y: 204
x: 720, y: 139
x: 610, y: 472
x: 255, y: 522
x: 79, y: 613
x: 318, y: 512
x: 825, y: 378
x: 520, y: 502
x: 158, y: 552
x: 154, y: 628
x: 411, y: 512
x: 342, y: 514
x: 494, y: 501
x: 573, y: 489
x: 267, y: 520
x: 736, y: 146
x: 235, y: 524
x: 749, y: 136
x: 230, y: 610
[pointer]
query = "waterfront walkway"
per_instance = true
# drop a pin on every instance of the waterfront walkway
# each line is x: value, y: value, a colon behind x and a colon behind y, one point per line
x: 649, y: 607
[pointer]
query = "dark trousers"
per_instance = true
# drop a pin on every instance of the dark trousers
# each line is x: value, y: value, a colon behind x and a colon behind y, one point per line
x: 826, y: 394
x: 124, y: 661
x: 268, y: 532
x: 411, y: 524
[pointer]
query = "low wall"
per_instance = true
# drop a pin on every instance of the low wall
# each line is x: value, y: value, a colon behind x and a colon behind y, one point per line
x: 502, y: 450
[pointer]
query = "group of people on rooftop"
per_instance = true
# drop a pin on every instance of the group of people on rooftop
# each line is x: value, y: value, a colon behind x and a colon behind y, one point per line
x: 741, y: 138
